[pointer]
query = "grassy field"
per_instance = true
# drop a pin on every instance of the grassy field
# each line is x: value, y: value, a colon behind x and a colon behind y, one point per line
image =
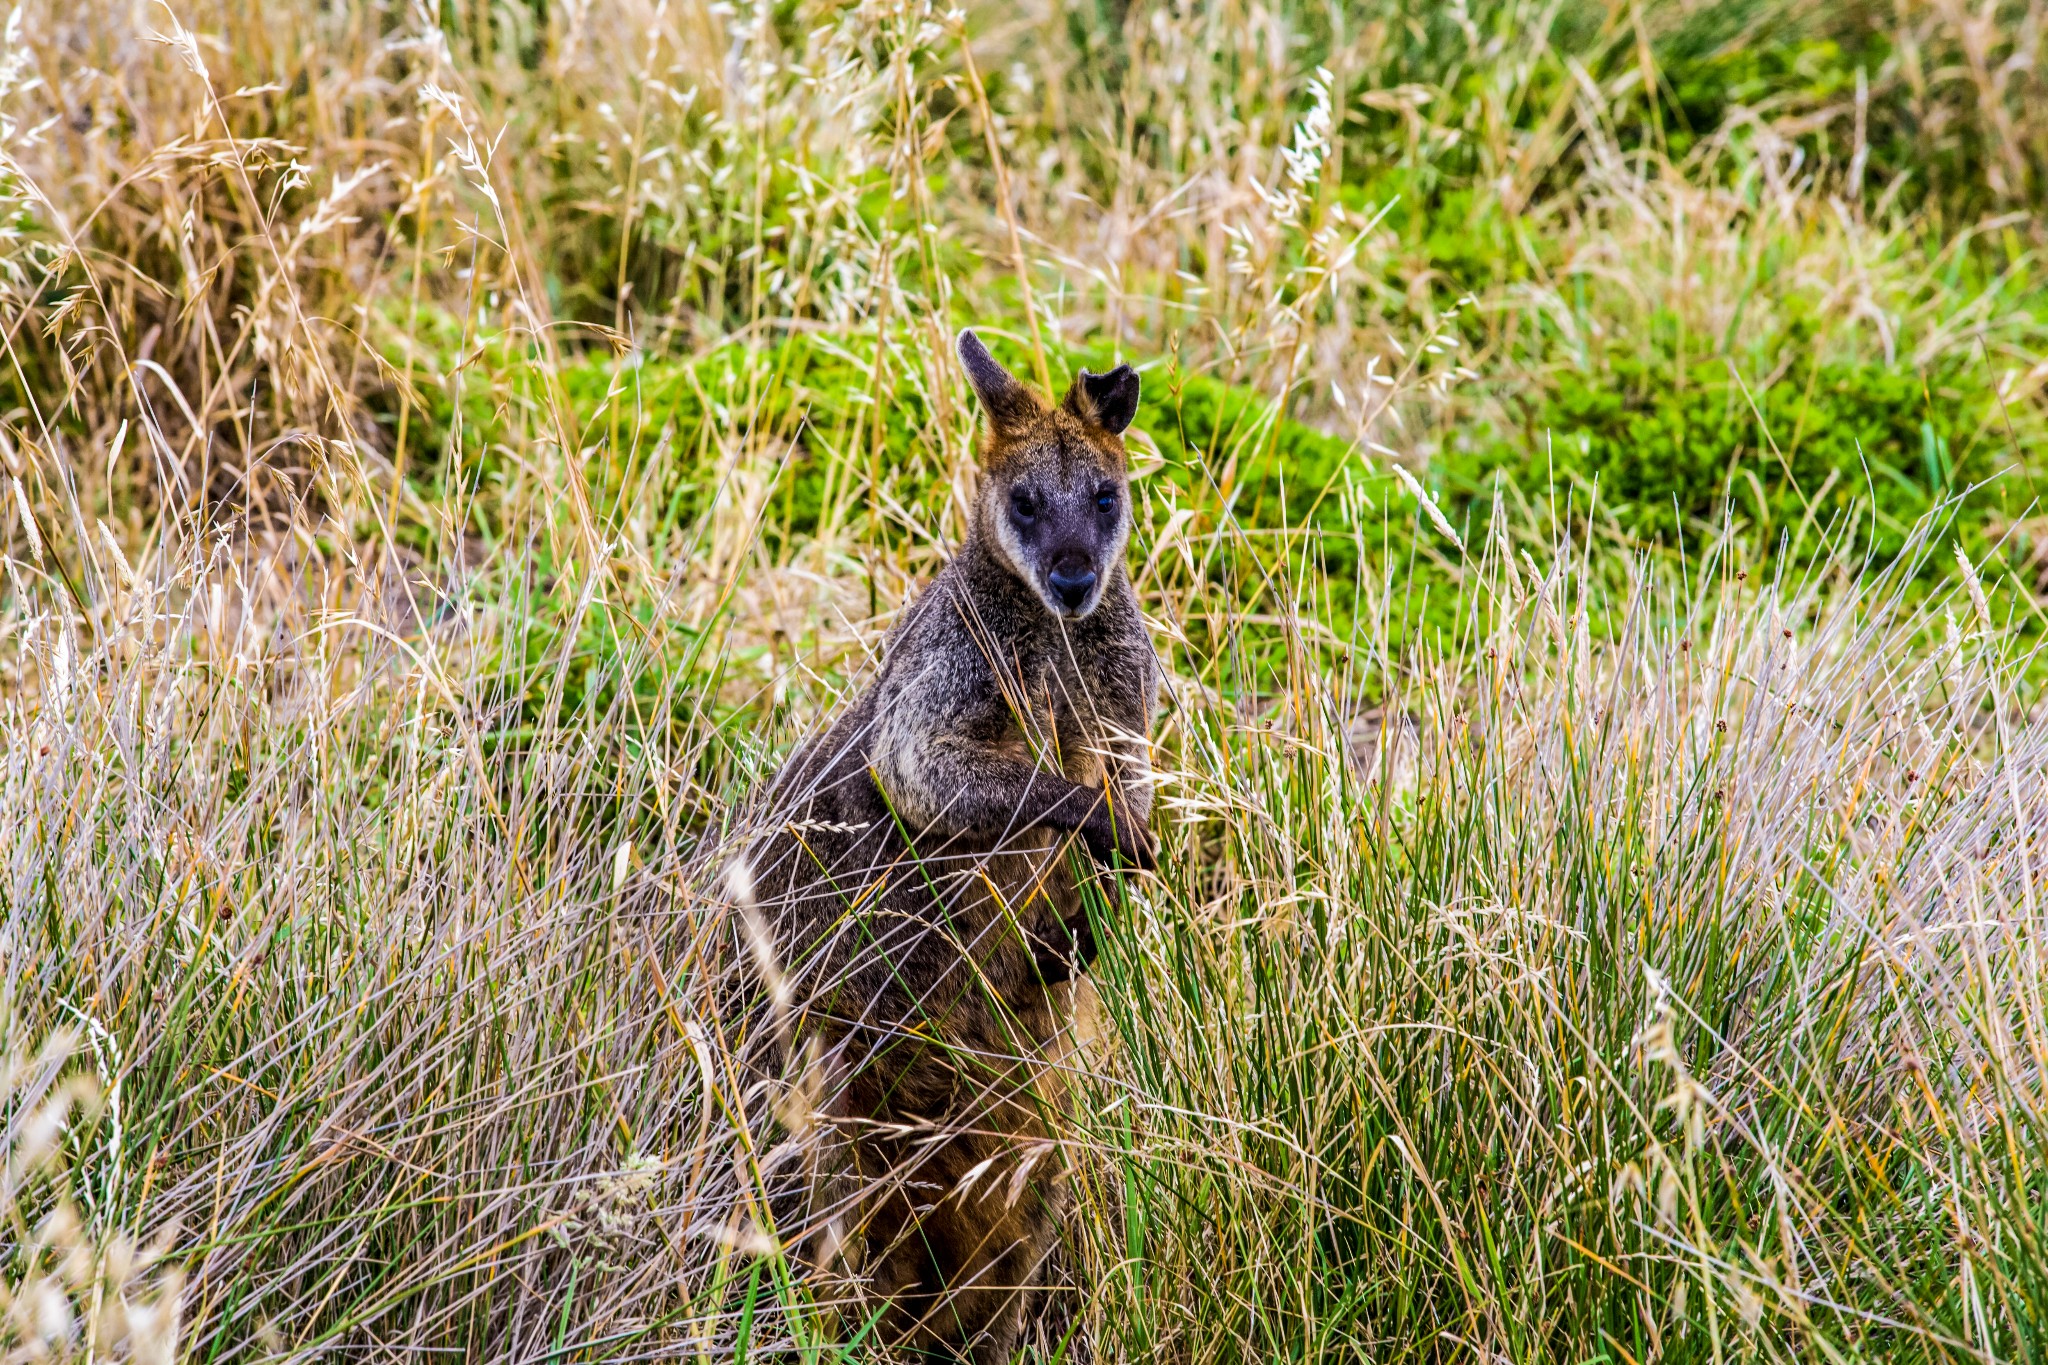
x: 1587, y: 507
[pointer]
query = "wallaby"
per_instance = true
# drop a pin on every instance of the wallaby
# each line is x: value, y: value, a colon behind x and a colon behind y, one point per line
x: 922, y: 877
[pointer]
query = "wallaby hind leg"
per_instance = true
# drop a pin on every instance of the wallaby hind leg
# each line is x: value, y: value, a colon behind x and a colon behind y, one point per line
x: 959, y: 1267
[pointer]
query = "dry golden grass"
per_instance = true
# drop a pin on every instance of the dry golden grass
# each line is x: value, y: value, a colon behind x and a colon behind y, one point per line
x: 388, y: 642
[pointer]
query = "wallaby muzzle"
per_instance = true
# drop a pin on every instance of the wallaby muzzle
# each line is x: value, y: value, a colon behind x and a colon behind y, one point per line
x: 1073, y: 589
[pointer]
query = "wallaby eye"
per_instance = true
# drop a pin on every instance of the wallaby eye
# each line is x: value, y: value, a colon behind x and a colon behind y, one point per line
x: 1021, y: 506
x: 1105, y: 501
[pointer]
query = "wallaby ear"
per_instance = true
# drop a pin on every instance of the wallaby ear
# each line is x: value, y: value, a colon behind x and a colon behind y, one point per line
x: 1110, y: 400
x: 1009, y: 404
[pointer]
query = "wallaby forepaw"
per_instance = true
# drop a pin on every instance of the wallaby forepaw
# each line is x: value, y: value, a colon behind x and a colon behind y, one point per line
x: 1120, y: 842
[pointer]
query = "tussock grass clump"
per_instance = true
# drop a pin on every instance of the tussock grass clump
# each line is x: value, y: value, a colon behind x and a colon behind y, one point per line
x: 1672, y: 995
x: 410, y: 1046
x: 449, y: 453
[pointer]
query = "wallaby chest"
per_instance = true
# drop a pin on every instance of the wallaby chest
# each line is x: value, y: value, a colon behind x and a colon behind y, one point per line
x: 1064, y: 721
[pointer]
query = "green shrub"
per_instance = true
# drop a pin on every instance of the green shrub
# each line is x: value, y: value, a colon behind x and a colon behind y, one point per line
x: 1863, y: 450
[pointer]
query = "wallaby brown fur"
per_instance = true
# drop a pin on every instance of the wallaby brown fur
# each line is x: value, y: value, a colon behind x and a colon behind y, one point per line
x: 922, y: 879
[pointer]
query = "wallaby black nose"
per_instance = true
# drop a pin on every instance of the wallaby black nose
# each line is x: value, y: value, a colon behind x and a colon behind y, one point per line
x: 1072, y: 588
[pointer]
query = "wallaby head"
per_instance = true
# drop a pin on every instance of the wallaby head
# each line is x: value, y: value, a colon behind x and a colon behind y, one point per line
x: 1054, y: 505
